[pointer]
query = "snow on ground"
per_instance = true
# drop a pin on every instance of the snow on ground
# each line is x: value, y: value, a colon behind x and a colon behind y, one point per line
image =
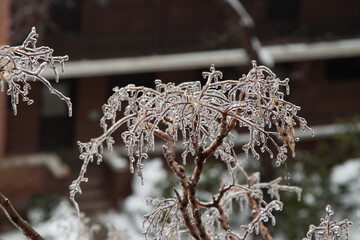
x: 134, y: 207
x: 345, y: 183
x: 346, y: 174
x: 63, y: 224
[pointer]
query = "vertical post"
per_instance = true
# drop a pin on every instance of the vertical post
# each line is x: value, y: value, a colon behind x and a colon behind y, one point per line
x: 4, y: 39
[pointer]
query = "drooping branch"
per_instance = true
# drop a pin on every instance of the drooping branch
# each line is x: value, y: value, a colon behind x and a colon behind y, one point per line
x: 161, y: 223
x: 94, y: 148
x: 256, y: 214
x: 17, y: 220
x: 24, y: 63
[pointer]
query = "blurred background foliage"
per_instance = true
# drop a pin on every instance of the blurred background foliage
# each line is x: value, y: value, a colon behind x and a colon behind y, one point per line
x: 312, y: 171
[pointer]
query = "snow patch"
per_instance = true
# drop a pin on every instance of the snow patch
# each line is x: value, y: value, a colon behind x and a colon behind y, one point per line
x: 346, y: 173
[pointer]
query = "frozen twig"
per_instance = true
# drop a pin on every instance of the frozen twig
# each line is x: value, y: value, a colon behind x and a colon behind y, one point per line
x: 24, y: 63
x: 329, y: 230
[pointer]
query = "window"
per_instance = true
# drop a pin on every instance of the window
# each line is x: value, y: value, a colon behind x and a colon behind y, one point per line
x: 283, y: 10
x: 343, y: 69
x: 67, y: 15
x: 56, y: 129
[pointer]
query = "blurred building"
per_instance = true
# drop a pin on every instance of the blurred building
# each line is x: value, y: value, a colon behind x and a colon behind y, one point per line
x: 116, y: 42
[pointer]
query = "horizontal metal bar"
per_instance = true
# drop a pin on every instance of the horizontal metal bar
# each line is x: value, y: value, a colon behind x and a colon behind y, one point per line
x: 196, y: 60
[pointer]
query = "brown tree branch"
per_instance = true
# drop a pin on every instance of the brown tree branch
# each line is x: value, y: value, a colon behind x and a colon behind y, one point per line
x: 224, y: 220
x: 201, y: 156
x: 223, y: 132
x: 170, y: 155
x: 191, y: 186
x: 187, y: 219
x: 16, y: 219
x: 188, y: 186
x: 263, y: 229
x: 196, y: 211
x: 225, y: 129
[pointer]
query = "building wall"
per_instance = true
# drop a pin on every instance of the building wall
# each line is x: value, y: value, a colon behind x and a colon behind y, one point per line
x: 91, y: 94
x: 4, y: 29
x: 323, y: 100
x: 20, y: 184
x: 324, y: 10
x: 24, y: 128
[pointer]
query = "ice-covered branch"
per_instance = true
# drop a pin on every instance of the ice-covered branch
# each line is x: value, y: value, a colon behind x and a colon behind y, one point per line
x: 329, y: 230
x: 21, y: 64
x: 201, y: 118
x: 165, y: 220
x: 91, y: 150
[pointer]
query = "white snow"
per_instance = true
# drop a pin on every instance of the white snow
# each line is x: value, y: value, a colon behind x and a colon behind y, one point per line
x: 134, y: 207
x: 345, y: 183
x: 120, y: 222
x: 63, y: 225
x: 346, y: 173
x: 116, y: 161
